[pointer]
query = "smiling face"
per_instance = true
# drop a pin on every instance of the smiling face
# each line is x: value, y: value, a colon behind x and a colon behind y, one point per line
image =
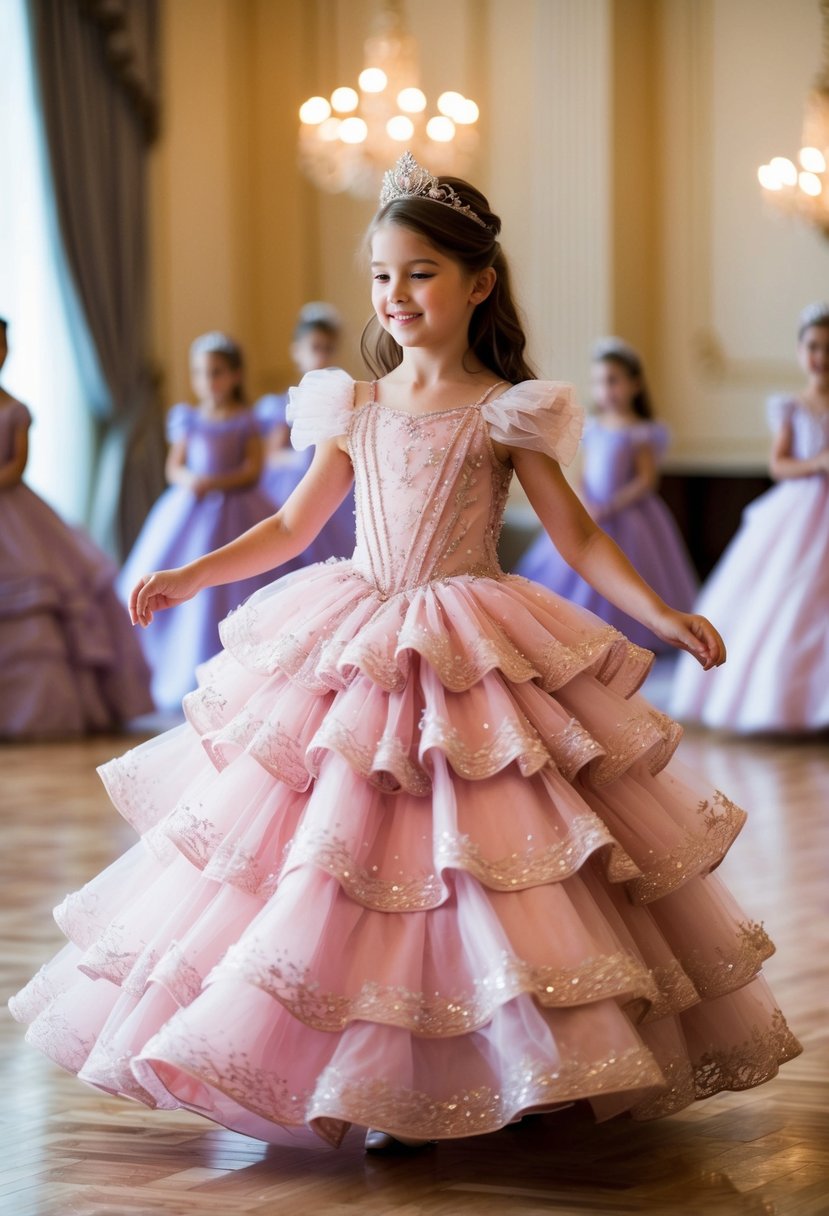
x: 422, y: 297
x: 213, y: 378
x: 813, y: 353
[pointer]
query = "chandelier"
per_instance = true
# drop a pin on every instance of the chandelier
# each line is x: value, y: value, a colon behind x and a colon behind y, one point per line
x: 347, y: 140
x: 803, y: 188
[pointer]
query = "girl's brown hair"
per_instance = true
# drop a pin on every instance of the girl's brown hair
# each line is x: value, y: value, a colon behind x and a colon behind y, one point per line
x: 496, y: 334
x: 626, y: 357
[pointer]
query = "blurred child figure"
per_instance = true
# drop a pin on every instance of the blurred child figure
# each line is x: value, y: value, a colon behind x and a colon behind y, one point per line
x: 622, y: 448
x: 770, y: 589
x: 213, y: 467
x: 69, y: 660
x: 314, y: 347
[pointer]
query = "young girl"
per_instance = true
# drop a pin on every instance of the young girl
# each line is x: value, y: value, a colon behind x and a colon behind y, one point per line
x: 622, y: 448
x: 69, y: 662
x: 213, y: 468
x: 414, y: 862
x: 771, y: 586
x: 316, y: 338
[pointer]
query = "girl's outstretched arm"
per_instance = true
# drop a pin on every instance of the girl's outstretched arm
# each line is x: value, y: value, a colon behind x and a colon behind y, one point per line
x: 599, y: 561
x: 11, y: 472
x: 268, y: 544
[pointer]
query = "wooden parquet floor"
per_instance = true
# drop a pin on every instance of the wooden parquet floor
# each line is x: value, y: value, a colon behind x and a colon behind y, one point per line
x: 71, y: 1151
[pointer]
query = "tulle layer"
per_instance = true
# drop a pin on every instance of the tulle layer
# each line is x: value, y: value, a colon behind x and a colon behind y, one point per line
x: 488, y: 896
x: 70, y: 660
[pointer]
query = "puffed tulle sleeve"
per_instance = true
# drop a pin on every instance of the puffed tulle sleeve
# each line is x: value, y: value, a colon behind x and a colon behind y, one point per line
x: 654, y: 435
x: 537, y: 414
x: 178, y: 422
x: 779, y: 409
x: 320, y: 407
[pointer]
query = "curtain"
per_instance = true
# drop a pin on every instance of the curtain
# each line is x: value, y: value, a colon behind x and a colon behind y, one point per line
x: 96, y: 71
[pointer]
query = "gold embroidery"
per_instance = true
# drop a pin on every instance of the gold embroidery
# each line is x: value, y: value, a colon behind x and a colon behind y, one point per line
x: 510, y: 742
x: 434, y: 1015
x: 733, y: 968
x: 699, y: 851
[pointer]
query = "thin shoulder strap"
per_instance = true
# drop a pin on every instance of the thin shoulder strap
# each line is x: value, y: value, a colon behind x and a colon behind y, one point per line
x: 490, y: 390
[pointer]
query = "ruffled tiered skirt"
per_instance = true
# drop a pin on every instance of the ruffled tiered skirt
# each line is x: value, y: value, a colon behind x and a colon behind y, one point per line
x: 414, y: 862
x: 70, y: 661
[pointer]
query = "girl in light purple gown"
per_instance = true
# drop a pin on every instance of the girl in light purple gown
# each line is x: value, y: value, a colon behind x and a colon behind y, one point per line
x: 69, y: 660
x: 770, y: 588
x: 622, y: 446
x: 316, y: 338
x: 213, y: 466
x: 420, y: 859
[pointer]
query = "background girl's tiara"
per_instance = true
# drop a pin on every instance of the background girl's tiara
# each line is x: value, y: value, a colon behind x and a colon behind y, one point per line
x: 215, y: 343
x: 813, y: 314
x: 616, y: 348
x: 409, y: 180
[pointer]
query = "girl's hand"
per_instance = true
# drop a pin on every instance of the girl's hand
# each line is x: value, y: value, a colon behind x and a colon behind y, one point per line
x: 693, y: 633
x: 164, y: 589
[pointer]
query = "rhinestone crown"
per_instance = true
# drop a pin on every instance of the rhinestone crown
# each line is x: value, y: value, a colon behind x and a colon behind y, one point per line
x: 409, y: 180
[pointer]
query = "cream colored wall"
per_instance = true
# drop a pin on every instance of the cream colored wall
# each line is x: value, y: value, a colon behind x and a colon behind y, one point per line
x: 620, y: 140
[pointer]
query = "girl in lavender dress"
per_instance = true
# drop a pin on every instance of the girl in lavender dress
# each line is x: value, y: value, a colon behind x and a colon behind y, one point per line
x: 316, y: 338
x: 413, y: 862
x: 771, y: 586
x: 213, y: 467
x: 622, y: 447
x: 69, y: 661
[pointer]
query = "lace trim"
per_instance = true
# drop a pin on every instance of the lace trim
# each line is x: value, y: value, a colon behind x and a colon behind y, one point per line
x: 743, y: 1066
x: 722, y: 820
x: 57, y: 1038
x: 459, y: 672
x: 112, y: 1072
x: 181, y: 979
x: 559, y: 663
x: 676, y: 992
x: 434, y: 1015
x: 734, y: 968
x: 278, y: 752
x: 530, y: 1085
x: 510, y: 741
x: 534, y: 867
x: 137, y: 797
x: 331, y: 854
x: 639, y: 735
x: 573, y: 748
x: 386, y: 765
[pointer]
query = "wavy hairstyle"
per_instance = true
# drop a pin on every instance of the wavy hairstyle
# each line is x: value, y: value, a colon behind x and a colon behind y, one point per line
x: 614, y: 350
x: 496, y: 333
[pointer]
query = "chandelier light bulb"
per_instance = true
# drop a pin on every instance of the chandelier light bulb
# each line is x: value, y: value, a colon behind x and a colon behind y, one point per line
x: 353, y: 131
x: 314, y: 110
x: 785, y: 170
x: 411, y: 100
x: 330, y: 129
x: 451, y: 103
x: 400, y: 127
x: 812, y: 160
x: 344, y: 99
x: 372, y: 80
x: 441, y: 129
x: 466, y: 113
x: 768, y: 179
x: 810, y: 184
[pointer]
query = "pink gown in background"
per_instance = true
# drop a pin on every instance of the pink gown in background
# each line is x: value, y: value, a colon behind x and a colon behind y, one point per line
x: 645, y: 531
x: 769, y: 597
x: 420, y: 857
x: 70, y: 661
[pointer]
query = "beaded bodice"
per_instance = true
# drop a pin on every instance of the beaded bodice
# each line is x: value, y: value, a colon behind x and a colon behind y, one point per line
x: 430, y: 495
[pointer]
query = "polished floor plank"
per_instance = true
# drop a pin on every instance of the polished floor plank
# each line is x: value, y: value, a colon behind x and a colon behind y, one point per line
x: 71, y: 1151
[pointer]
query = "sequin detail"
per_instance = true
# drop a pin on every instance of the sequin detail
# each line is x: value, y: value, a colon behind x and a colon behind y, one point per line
x: 702, y: 850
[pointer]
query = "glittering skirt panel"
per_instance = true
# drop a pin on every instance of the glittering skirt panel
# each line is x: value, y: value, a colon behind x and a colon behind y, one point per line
x: 422, y: 861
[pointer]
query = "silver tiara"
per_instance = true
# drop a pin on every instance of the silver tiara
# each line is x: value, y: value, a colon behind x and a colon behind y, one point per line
x: 318, y: 312
x: 409, y: 180
x: 813, y: 314
x: 215, y: 343
x: 616, y: 348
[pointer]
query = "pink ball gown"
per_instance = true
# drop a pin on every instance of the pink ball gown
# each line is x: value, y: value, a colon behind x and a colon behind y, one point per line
x: 69, y: 659
x: 769, y: 598
x: 182, y: 527
x: 419, y: 858
x: 281, y: 477
x: 645, y: 531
